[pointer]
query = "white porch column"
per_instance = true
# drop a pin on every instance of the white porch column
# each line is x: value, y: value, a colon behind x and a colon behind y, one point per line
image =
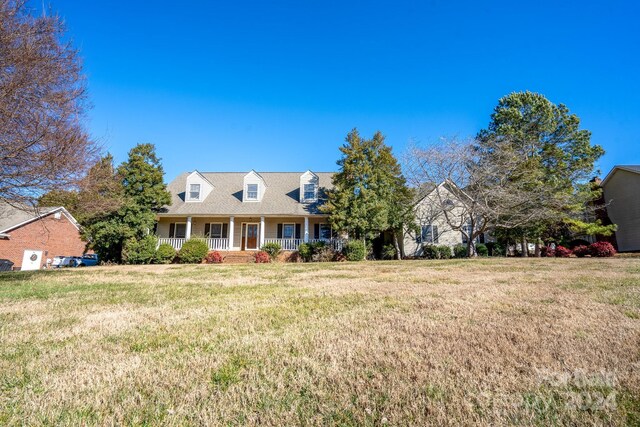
x: 187, y: 233
x: 261, y: 231
x: 231, y: 221
x: 306, y: 229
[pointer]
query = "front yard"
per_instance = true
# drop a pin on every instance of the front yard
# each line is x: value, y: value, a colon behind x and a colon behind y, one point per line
x: 493, y: 341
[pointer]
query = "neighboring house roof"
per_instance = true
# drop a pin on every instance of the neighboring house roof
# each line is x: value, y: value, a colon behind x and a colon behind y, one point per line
x: 12, y: 217
x: 628, y: 168
x: 281, y: 197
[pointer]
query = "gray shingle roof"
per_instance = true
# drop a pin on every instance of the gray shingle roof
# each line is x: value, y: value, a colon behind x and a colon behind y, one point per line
x: 11, y: 216
x: 281, y: 197
x: 629, y: 168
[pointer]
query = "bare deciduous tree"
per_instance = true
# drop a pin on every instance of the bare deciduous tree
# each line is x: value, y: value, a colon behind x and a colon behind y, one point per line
x: 43, y: 142
x: 472, y: 195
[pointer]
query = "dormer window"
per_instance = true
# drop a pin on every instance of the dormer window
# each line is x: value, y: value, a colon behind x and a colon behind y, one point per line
x: 252, y: 191
x: 197, y: 188
x: 309, y: 191
x: 309, y: 184
x: 194, y: 192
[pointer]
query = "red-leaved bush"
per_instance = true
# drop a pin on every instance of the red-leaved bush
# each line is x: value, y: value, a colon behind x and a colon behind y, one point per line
x: 581, y: 251
x: 602, y: 249
x: 563, y: 252
x: 548, y: 251
x: 262, y: 257
x: 214, y: 258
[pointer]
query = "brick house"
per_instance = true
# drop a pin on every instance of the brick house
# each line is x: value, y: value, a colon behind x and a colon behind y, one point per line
x: 45, y: 233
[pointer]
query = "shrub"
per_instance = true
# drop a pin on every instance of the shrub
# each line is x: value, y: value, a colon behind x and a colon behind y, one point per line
x: 322, y: 254
x: 272, y: 249
x: 562, y: 252
x: 460, y: 251
x: 293, y: 257
x: 482, y: 250
x: 355, y: 250
x: 548, y: 251
x: 388, y: 252
x: 305, y: 251
x: 193, y: 251
x: 430, y: 252
x: 339, y: 257
x: 262, y: 257
x: 602, y: 249
x: 444, y: 252
x: 140, y: 251
x: 495, y: 249
x: 164, y: 254
x: 214, y: 257
x: 581, y: 251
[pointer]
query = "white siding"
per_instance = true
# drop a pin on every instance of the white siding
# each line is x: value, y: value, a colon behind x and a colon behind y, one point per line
x: 205, y: 187
x: 308, y: 178
x: 253, y: 178
x: 428, y: 213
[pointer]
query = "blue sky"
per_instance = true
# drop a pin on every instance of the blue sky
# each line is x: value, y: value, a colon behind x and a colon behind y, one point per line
x: 276, y: 85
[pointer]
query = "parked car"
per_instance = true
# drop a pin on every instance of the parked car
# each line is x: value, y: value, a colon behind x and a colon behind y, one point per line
x: 88, y: 260
x: 69, y: 261
x: 57, y: 260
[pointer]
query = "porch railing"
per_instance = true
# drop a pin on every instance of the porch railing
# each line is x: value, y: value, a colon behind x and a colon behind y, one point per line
x: 293, y: 244
x: 175, y: 242
x: 218, y: 244
x: 286, y: 244
x: 215, y: 244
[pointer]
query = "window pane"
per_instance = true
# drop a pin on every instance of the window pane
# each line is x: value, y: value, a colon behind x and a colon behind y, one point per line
x: 181, y: 231
x: 309, y: 191
x: 427, y: 234
x: 216, y: 231
x: 194, y: 191
x: 288, y: 231
x: 325, y: 231
x: 252, y: 191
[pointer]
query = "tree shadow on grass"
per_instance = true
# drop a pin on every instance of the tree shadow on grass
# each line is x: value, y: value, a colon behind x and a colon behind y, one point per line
x: 20, y: 276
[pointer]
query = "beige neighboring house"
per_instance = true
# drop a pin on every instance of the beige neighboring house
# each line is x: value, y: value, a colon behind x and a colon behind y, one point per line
x: 239, y: 211
x: 432, y: 224
x: 622, y: 195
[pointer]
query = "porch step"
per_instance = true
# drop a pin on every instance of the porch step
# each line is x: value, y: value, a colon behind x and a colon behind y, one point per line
x: 238, y: 257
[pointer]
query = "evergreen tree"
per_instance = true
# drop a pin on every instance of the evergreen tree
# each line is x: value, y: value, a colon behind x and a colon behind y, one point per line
x: 143, y: 193
x: 554, y: 159
x: 369, y: 194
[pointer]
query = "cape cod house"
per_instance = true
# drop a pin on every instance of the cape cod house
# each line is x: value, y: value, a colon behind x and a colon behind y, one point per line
x: 236, y: 211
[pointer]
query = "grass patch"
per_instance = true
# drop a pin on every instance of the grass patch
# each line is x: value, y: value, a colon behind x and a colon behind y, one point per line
x: 398, y: 343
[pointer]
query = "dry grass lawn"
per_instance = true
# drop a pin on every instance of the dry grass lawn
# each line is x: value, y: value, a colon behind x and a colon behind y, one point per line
x: 490, y: 342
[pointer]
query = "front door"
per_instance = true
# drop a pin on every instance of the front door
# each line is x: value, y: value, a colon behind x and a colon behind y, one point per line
x: 252, y: 237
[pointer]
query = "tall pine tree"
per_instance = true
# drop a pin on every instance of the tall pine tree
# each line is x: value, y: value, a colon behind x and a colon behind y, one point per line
x: 370, y: 195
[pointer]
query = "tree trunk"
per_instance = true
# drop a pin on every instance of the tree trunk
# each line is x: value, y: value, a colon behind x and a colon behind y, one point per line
x: 396, y: 243
x: 524, y: 246
x: 538, y: 249
x: 471, y: 249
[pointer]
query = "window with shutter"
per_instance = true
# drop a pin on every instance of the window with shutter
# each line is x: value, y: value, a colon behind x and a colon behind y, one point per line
x: 180, y: 230
x: 288, y: 231
x: 324, y: 231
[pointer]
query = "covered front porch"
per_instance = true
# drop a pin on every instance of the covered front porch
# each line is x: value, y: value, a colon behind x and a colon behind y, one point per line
x: 246, y: 233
